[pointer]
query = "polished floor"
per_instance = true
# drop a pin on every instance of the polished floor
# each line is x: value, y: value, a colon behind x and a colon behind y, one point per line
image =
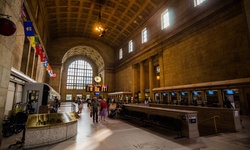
x: 116, y: 134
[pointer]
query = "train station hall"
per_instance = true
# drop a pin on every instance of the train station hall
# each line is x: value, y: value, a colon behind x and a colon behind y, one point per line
x: 125, y: 74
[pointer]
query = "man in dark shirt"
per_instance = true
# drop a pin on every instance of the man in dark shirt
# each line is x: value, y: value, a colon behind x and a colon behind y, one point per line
x: 95, y: 105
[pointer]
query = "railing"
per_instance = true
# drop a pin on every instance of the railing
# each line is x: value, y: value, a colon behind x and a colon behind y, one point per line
x: 214, y: 119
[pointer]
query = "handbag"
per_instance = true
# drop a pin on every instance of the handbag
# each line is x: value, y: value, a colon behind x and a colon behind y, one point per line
x: 91, y: 113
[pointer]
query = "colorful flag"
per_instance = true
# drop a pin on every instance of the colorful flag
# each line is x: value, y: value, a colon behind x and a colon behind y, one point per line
x: 23, y: 15
x: 53, y: 75
x: 42, y: 57
x: 39, y: 49
x: 46, y: 63
x: 32, y: 41
x: 28, y: 28
x: 50, y: 72
x: 48, y: 67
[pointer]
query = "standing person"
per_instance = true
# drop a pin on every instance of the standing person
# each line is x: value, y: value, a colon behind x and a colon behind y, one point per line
x: 95, y: 105
x: 227, y: 103
x: 89, y: 102
x: 103, y: 109
x: 80, y: 106
x: 56, y: 102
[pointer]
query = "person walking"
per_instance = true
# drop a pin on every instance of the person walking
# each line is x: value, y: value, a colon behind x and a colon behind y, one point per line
x: 103, y: 109
x: 95, y: 106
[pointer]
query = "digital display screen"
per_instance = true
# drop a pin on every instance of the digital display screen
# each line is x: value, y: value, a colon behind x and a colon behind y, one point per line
x: 210, y: 92
x: 97, y: 93
x: 229, y: 92
x: 195, y: 93
x: 183, y: 93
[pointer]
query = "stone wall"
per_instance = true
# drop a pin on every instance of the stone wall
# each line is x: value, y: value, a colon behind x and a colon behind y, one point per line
x: 206, y: 43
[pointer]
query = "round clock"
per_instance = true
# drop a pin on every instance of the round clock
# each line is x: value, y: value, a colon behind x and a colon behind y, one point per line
x: 97, y: 79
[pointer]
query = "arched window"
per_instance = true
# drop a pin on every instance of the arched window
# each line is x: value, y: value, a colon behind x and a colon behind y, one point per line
x: 79, y: 74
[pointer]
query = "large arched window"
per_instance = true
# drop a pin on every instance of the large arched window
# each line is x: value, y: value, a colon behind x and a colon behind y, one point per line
x: 79, y: 74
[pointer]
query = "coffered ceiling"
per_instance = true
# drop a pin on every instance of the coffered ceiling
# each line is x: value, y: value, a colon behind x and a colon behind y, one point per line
x: 77, y: 18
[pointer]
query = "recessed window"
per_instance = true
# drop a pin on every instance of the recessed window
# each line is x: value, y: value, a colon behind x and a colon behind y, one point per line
x: 130, y: 46
x: 164, y: 19
x: 120, y: 54
x: 198, y: 2
x: 68, y: 97
x: 79, y: 74
x: 144, y: 36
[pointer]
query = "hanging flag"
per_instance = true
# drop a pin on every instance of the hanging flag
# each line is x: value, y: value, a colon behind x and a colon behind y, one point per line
x: 32, y: 41
x: 50, y: 72
x: 23, y: 15
x: 48, y: 67
x: 28, y: 28
x: 39, y: 49
x: 46, y: 63
x: 54, y: 75
x: 42, y: 57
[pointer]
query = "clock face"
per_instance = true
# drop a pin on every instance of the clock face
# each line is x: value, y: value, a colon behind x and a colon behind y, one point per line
x: 97, y: 79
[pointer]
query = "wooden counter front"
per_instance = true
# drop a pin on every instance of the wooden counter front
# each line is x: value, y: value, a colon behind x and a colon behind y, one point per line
x: 188, y: 118
x: 229, y: 119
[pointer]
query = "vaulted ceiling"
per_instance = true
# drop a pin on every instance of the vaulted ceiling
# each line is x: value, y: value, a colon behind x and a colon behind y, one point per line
x: 77, y: 18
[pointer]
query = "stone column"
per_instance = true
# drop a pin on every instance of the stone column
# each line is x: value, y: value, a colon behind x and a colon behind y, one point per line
x: 135, y: 83
x: 161, y: 70
x: 151, y: 78
x: 28, y: 61
x: 203, y: 97
x: 33, y: 63
x: 142, y: 87
x: 220, y: 97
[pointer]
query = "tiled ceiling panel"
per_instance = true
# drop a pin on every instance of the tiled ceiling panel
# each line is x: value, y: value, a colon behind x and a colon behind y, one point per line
x: 77, y: 18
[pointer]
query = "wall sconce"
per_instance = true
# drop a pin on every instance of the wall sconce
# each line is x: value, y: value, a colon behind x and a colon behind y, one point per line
x: 158, y: 77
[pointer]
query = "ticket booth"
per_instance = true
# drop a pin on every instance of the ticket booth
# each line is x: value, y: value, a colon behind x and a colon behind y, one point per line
x: 165, y: 98
x: 184, y: 98
x: 38, y: 96
x: 212, y: 98
x: 233, y: 96
x: 157, y: 97
x: 196, y: 98
x: 174, y: 98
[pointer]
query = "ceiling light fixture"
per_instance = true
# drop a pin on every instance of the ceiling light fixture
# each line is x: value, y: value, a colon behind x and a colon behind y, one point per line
x: 99, y: 27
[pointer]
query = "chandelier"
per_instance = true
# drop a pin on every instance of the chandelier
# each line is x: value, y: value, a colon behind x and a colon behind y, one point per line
x: 99, y: 27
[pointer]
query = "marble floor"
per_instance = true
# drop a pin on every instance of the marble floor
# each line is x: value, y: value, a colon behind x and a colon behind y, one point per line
x: 116, y: 134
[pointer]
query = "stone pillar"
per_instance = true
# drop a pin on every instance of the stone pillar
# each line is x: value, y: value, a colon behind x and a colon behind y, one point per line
x: 33, y: 54
x: 189, y: 97
x: 135, y: 83
x: 151, y: 78
x: 161, y: 70
x: 28, y: 61
x: 220, y: 97
x: 142, y: 87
